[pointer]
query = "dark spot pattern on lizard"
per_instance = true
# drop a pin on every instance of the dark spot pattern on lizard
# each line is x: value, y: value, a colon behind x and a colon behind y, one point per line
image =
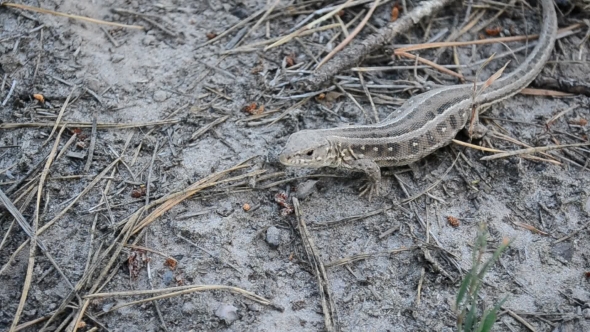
x: 453, y: 122
x: 429, y: 115
x: 414, y: 145
x: 394, y: 150
x: 441, y: 128
x: 430, y: 138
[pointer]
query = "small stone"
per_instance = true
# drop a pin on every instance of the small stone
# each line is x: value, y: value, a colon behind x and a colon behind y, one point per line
x: 227, y: 313
x: 564, y: 250
x: 30, y: 313
x: 306, y: 188
x: 76, y: 155
x: 224, y: 211
x: 239, y: 12
x: 586, y: 313
x: 540, y: 167
x: 116, y: 58
x: 188, y: 308
x: 160, y: 96
x: 94, y: 84
x: 10, y: 62
x: 167, y: 277
x: 148, y: 40
x: 108, y: 306
x: 273, y: 237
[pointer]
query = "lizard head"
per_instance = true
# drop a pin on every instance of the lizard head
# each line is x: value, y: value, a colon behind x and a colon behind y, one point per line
x: 307, y: 148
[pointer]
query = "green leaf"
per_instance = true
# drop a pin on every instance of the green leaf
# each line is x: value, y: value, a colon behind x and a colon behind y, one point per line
x: 463, y: 289
x: 493, y: 259
x: 489, y: 318
x: 470, y: 320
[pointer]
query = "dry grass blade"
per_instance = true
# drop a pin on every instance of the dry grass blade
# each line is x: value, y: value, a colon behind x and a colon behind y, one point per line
x: 530, y: 228
x: 343, y: 221
x: 239, y: 25
x: 174, y: 199
x: 172, y: 259
x: 429, y: 63
x: 177, y: 198
x: 78, y: 318
x: 363, y: 256
x: 545, y: 92
x: 517, y: 142
x: 177, y: 291
x: 353, y: 55
x: 270, y: 9
x: 29, y: 231
x: 84, y: 192
x: 481, y: 41
x: 88, y: 124
x: 60, y: 115
x: 492, y: 78
x: 474, y: 122
x: 252, y: 47
x: 288, y: 110
x: 158, y: 291
x: 476, y: 147
x: 328, y: 305
x: 31, y: 323
x: 349, y: 38
x: 481, y: 148
x: 33, y: 241
x: 77, y: 17
x: 573, y: 233
x: 80, y: 283
x: 520, y: 319
x: 207, y: 127
x: 533, y: 150
x: 290, y: 36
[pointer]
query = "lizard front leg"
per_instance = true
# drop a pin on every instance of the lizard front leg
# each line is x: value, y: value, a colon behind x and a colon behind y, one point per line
x: 373, y: 172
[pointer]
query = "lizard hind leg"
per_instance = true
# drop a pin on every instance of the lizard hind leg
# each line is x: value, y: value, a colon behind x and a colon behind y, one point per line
x: 373, y: 172
x: 474, y: 128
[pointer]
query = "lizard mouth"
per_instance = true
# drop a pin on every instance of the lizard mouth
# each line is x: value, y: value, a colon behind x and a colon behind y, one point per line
x: 292, y: 161
x: 286, y: 160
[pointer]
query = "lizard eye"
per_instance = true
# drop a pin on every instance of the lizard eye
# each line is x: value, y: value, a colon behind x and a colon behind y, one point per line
x: 310, y: 152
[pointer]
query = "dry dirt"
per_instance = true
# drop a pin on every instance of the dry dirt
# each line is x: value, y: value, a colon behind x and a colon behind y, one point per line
x: 142, y: 76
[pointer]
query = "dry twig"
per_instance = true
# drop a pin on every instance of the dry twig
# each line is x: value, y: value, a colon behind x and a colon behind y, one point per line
x: 77, y: 17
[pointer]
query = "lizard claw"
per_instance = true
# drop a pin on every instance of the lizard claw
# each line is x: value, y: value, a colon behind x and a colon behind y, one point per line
x: 369, y: 187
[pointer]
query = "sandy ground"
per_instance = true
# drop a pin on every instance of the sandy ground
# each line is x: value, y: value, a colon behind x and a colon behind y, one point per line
x: 160, y: 73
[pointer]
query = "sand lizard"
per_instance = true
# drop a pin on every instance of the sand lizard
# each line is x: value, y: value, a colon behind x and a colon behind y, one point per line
x: 423, y: 124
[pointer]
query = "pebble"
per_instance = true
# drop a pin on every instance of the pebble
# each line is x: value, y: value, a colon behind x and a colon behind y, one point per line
x: 148, y: 40
x: 167, y: 277
x: 188, y: 308
x: 227, y: 312
x: 306, y: 188
x: 116, y: 58
x: 30, y: 313
x: 160, y: 96
x: 273, y: 237
x: 108, y: 306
